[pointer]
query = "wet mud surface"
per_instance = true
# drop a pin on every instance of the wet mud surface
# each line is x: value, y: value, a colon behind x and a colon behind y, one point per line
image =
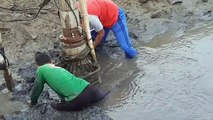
x: 170, y: 79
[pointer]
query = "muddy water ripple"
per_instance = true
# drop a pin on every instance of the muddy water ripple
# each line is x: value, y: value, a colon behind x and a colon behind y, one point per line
x: 171, y: 82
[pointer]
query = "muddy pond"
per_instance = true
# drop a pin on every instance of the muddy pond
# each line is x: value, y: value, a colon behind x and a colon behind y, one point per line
x: 171, y: 79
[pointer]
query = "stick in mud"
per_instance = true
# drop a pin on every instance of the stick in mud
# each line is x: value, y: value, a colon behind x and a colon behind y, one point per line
x: 4, y: 64
x: 8, y: 79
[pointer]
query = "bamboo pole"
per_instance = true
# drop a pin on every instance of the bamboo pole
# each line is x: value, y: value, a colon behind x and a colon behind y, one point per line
x: 84, y: 14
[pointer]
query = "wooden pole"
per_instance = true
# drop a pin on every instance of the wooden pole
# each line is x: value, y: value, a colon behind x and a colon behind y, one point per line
x: 7, y: 75
x: 84, y: 14
x: 8, y: 79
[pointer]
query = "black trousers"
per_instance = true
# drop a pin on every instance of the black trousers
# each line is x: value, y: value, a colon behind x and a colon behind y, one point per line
x: 90, y: 94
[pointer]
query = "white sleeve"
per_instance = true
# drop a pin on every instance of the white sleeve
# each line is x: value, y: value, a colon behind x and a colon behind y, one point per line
x: 95, y: 23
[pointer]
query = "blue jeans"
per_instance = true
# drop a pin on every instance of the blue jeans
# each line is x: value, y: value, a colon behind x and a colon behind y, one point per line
x: 121, y: 33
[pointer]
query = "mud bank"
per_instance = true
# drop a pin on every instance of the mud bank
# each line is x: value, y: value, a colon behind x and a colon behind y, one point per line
x: 92, y: 113
x: 152, y: 24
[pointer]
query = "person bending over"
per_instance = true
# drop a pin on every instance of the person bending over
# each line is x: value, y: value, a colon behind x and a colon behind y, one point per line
x: 105, y: 15
x: 76, y: 93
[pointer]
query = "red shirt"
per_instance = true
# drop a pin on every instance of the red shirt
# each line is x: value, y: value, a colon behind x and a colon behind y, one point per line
x: 106, y: 10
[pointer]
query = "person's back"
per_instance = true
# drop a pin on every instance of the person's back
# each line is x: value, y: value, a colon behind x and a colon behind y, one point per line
x: 105, y: 15
x: 106, y: 10
x: 61, y: 81
x: 75, y: 92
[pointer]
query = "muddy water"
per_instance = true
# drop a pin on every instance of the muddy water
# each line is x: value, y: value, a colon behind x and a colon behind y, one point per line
x: 7, y: 106
x: 171, y: 78
x: 168, y: 82
x: 159, y: 41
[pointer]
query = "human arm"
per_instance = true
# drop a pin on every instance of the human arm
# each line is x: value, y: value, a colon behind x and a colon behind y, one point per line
x: 37, y: 89
x: 96, y: 24
x: 99, y: 37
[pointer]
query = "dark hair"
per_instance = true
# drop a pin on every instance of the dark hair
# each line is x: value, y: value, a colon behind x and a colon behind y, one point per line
x: 42, y: 58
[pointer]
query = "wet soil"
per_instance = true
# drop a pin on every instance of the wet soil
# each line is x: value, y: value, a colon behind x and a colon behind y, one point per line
x: 170, y: 79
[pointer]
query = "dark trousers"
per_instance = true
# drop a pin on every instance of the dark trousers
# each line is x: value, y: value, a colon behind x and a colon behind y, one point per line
x: 89, y: 95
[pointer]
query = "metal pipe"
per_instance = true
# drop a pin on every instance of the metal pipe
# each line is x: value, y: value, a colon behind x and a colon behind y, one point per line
x: 69, y: 15
x: 72, y: 41
x: 77, y: 48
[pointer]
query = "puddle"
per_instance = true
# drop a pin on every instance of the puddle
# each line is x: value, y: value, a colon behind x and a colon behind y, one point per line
x: 164, y: 83
x: 172, y: 83
x: 8, y: 106
x: 159, y: 41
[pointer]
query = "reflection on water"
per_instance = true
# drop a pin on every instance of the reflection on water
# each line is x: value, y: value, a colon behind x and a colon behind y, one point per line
x: 169, y: 83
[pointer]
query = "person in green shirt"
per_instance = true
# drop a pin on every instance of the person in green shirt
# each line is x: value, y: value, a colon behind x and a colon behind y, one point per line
x: 75, y: 92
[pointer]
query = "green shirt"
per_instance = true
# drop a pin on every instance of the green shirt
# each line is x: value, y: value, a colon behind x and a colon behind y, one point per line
x: 65, y: 84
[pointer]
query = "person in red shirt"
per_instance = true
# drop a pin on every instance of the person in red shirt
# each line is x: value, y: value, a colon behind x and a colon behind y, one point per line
x: 105, y: 15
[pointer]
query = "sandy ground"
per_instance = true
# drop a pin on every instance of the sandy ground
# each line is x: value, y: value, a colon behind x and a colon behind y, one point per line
x: 146, y: 20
